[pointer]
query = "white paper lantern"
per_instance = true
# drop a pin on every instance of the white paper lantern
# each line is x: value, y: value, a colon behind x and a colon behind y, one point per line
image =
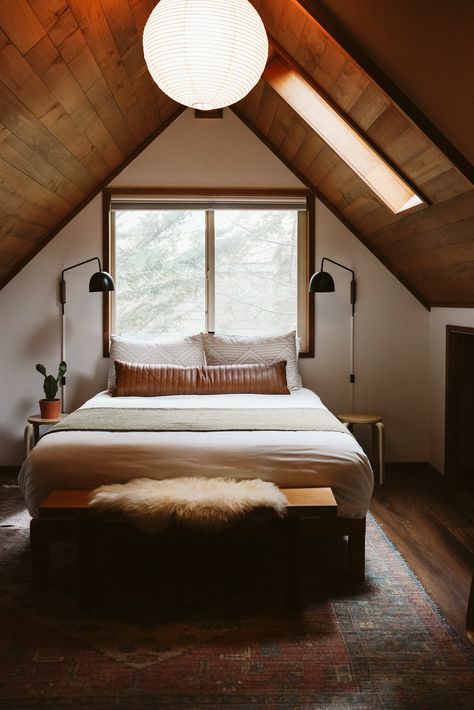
x: 205, y: 53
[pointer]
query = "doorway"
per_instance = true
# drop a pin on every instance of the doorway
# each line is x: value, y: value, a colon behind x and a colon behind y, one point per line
x: 459, y: 433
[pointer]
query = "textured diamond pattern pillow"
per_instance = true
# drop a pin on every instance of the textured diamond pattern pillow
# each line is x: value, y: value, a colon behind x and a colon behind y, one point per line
x: 239, y: 349
x: 187, y: 351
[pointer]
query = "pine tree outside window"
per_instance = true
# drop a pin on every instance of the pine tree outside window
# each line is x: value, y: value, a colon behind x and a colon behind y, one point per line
x: 231, y: 264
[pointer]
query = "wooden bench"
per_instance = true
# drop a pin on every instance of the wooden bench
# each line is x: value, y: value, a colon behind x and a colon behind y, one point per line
x: 65, y: 515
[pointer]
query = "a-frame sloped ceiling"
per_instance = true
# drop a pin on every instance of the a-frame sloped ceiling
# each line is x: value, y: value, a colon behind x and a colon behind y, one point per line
x: 430, y: 248
x: 76, y: 102
x: 426, y: 49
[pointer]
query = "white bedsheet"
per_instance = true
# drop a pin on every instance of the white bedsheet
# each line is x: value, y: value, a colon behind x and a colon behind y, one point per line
x: 82, y: 459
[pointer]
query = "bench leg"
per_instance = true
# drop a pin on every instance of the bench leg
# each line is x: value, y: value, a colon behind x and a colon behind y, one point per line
x: 291, y: 530
x: 39, y: 546
x: 88, y: 563
x: 357, y: 552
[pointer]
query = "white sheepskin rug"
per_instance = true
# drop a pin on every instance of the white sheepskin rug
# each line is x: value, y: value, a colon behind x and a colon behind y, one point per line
x: 208, y: 503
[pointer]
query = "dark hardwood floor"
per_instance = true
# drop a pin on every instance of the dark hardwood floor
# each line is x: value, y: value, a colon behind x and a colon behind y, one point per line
x: 431, y: 521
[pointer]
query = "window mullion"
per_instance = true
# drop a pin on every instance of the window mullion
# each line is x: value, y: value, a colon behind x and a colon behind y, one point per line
x: 302, y: 291
x: 210, y: 271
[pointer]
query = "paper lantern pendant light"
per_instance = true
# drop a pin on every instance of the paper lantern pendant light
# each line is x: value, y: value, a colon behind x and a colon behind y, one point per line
x: 205, y: 53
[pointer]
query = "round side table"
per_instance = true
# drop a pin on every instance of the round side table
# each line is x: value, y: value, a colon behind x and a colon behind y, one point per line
x: 378, y: 436
x: 32, y: 429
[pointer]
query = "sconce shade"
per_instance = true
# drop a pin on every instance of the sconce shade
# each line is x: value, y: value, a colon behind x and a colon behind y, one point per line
x: 321, y: 282
x: 101, y: 281
x: 205, y: 54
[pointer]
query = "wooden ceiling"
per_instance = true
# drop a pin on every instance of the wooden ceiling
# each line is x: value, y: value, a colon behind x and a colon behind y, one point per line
x: 77, y: 104
x: 382, y: 27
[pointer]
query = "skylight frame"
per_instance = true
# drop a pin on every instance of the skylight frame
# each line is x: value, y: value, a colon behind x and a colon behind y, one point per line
x: 331, y: 125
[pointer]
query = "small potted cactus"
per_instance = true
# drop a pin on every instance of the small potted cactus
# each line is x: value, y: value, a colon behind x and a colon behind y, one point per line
x: 50, y: 407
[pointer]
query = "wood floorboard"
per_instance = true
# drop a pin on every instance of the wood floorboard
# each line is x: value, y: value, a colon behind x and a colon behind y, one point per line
x: 431, y: 522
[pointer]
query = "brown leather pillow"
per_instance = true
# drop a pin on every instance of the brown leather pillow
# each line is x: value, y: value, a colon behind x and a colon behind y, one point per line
x: 147, y: 380
x: 243, y: 379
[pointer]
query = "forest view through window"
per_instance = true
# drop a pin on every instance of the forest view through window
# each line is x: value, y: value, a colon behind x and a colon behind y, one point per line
x: 186, y: 269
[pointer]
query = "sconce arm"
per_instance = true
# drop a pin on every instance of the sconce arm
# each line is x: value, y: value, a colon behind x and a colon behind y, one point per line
x: 353, y: 283
x: 62, y: 283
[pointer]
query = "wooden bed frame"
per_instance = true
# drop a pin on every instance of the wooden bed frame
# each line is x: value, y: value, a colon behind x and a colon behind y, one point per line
x: 66, y: 515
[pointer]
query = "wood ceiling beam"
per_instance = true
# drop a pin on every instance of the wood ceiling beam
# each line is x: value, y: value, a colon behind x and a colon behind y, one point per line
x: 330, y: 25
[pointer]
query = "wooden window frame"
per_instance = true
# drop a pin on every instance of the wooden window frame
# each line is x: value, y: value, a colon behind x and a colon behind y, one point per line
x: 192, y: 193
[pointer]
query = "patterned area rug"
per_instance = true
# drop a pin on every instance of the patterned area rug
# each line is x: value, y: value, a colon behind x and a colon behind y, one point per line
x: 205, y: 628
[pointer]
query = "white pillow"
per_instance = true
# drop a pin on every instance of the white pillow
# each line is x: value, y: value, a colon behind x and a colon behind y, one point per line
x: 265, y: 349
x: 187, y: 351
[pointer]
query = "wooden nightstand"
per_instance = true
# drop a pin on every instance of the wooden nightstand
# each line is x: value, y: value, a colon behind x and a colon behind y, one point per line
x: 378, y: 436
x: 32, y: 429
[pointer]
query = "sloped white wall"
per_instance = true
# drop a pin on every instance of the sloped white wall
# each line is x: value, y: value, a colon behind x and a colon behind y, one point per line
x: 391, y: 326
x: 391, y: 344
x: 30, y: 328
x: 439, y: 319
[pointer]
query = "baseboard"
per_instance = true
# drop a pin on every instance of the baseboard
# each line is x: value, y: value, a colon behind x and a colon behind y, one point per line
x: 418, y: 466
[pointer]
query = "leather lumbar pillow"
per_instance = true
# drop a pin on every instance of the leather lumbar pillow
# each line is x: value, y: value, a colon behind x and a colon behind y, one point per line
x: 146, y: 380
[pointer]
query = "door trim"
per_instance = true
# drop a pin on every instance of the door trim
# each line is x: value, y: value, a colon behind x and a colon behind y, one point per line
x: 449, y: 459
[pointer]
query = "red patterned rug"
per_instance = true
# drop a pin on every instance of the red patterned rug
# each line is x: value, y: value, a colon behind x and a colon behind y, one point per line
x: 205, y: 628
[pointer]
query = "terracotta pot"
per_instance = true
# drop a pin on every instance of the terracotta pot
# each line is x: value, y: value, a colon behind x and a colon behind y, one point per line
x: 50, y: 408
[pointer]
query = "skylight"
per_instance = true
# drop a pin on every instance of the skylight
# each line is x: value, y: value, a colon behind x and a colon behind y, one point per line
x: 341, y: 137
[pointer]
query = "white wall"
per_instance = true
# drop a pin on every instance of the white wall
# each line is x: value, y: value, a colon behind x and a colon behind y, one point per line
x: 30, y: 328
x: 207, y: 153
x: 391, y: 344
x: 439, y: 319
x: 391, y: 326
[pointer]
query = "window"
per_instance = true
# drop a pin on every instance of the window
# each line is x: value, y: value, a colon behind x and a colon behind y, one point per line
x: 158, y: 271
x: 226, y: 263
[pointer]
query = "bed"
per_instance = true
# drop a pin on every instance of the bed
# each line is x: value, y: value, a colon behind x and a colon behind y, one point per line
x: 87, y: 459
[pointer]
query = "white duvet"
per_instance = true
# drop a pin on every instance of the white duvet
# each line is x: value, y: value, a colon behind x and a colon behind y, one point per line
x: 82, y: 459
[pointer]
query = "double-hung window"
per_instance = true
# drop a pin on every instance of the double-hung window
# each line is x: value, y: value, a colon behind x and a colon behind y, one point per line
x: 228, y: 262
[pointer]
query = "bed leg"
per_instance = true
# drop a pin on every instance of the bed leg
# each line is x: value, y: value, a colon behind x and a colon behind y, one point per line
x: 291, y: 533
x: 357, y: 551
x: 39, y: 546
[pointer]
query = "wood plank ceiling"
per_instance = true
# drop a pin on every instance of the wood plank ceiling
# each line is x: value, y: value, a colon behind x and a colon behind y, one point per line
x: 430, y: 248
x: 77, y: 104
